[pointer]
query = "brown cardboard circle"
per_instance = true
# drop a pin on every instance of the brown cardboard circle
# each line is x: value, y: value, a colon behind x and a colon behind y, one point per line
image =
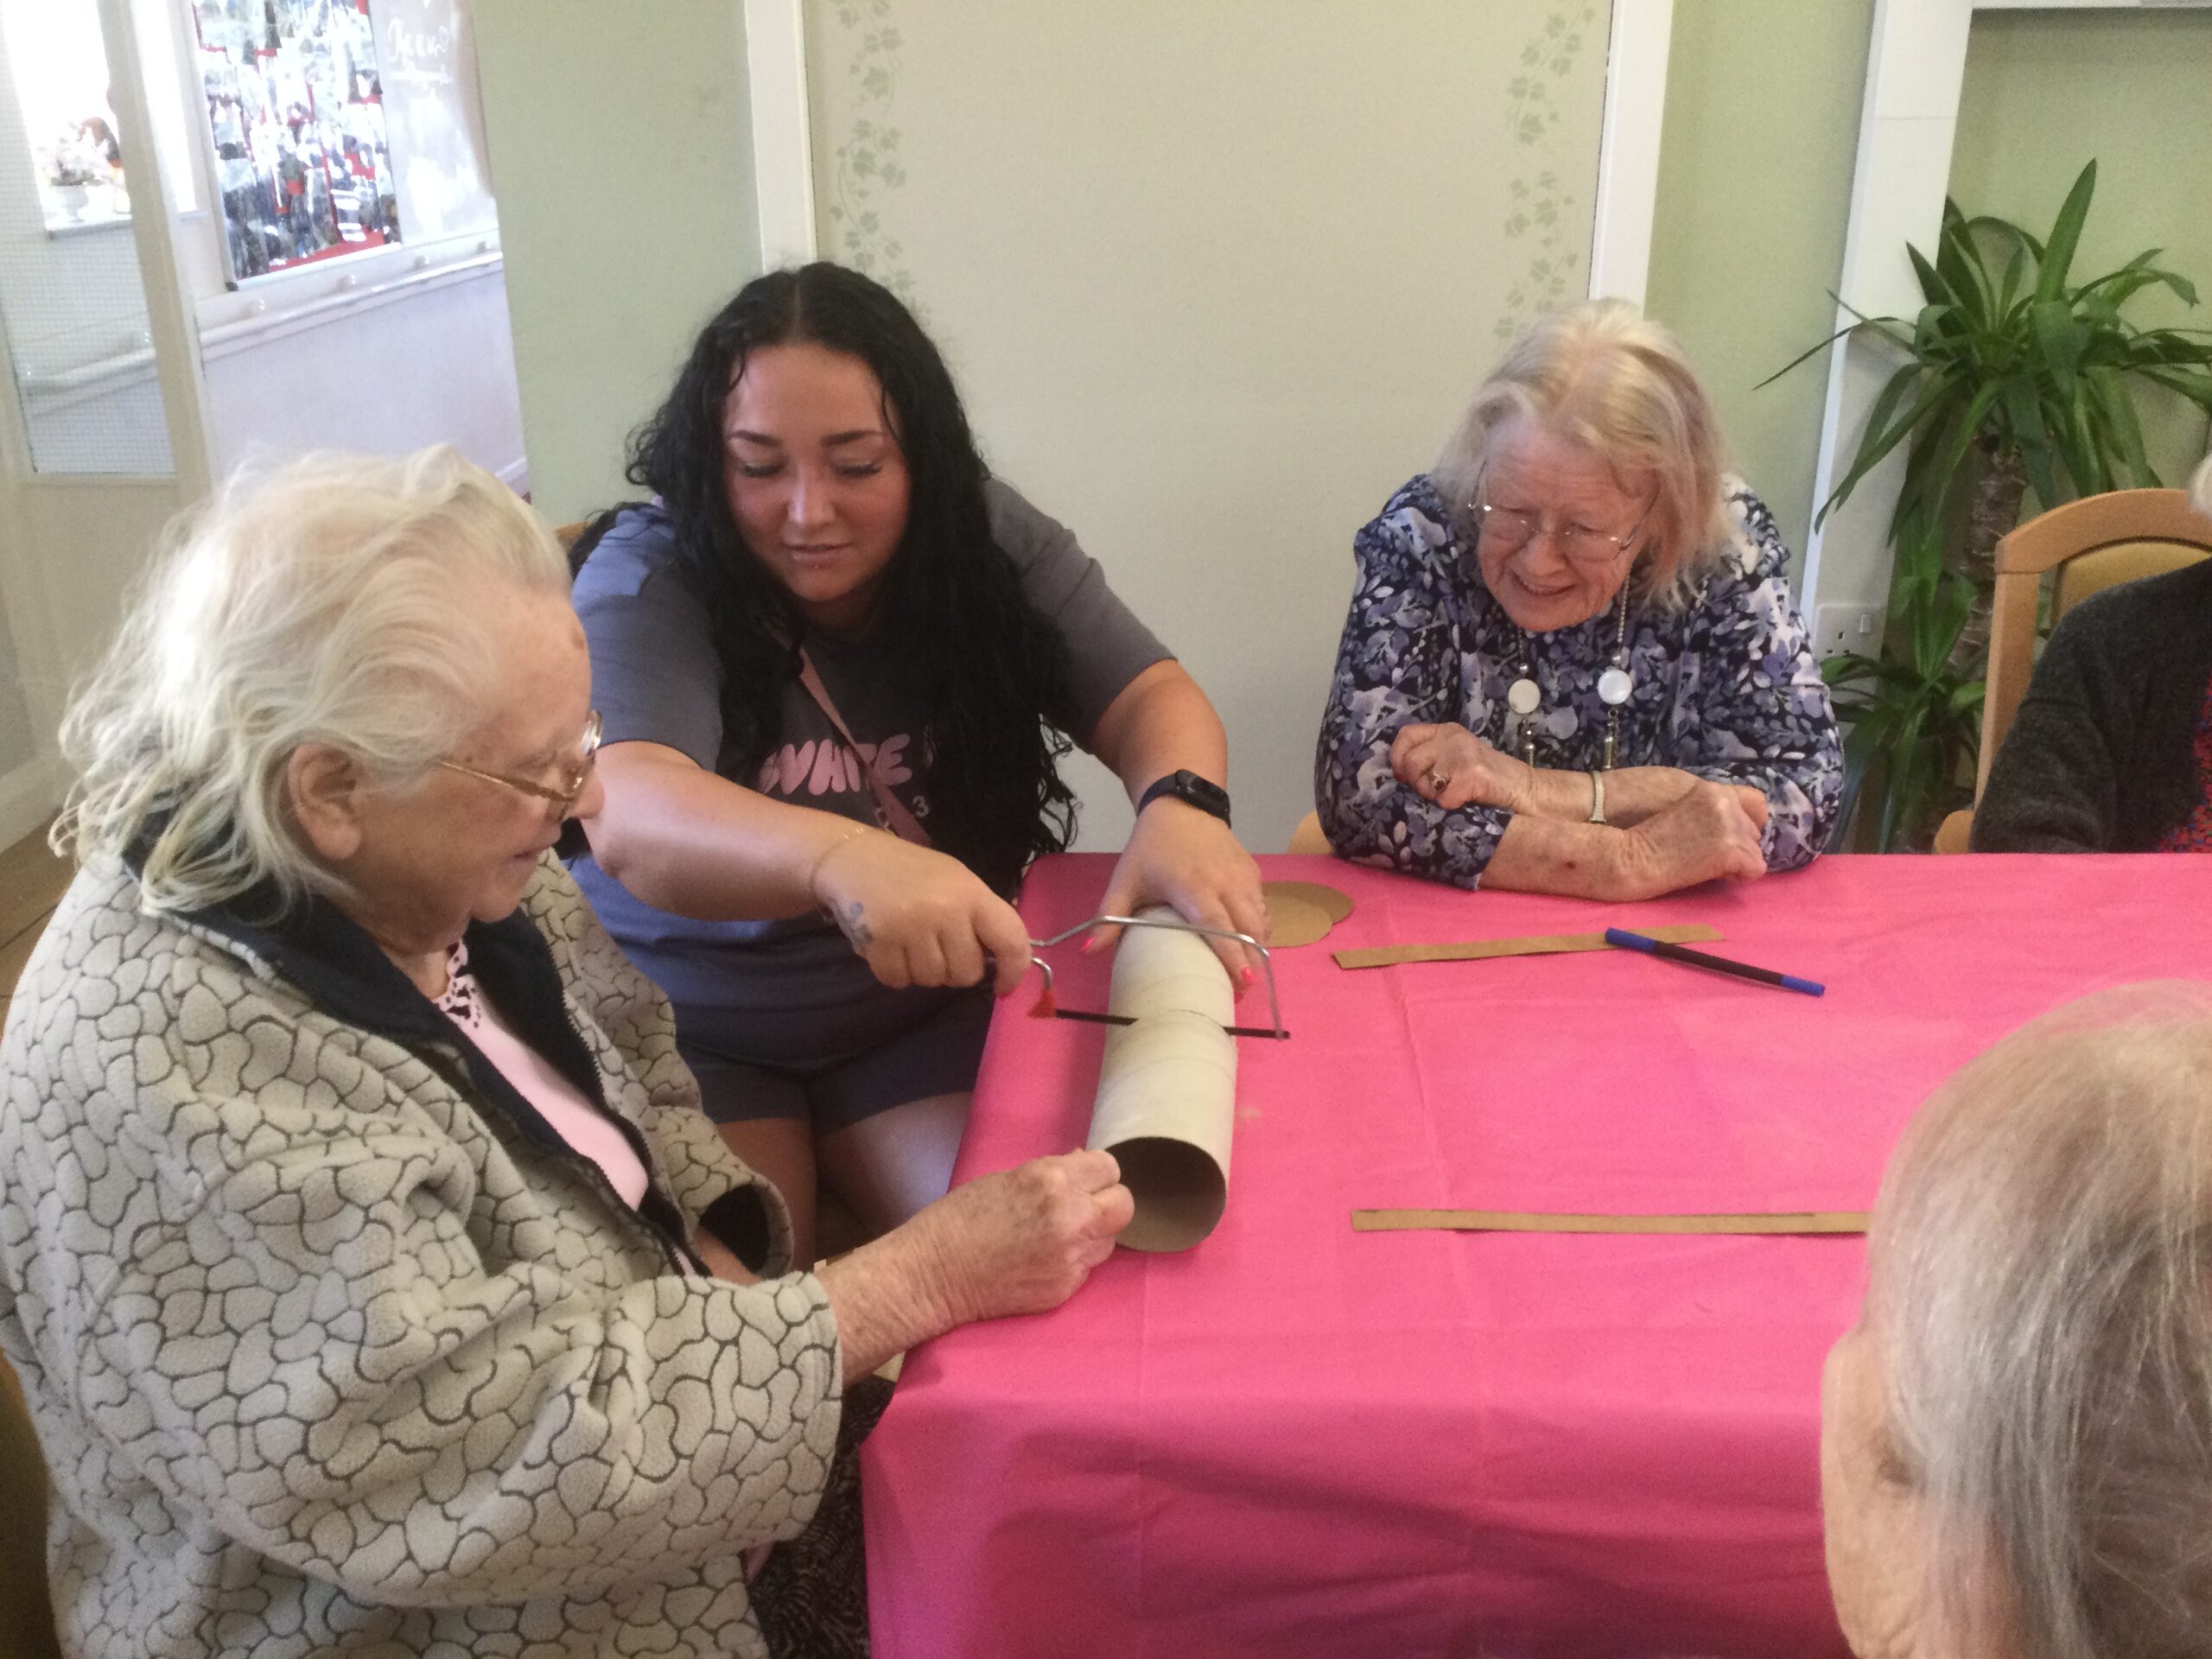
x: 1295, y: 922
x: 1334, y: 904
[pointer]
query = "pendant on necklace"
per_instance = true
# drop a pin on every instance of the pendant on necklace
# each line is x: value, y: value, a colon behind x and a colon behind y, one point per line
x: 1523, y: 696
x: 1614, y: 686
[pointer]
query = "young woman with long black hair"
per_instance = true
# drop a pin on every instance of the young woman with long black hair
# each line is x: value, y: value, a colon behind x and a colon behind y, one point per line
x: 838, y: 663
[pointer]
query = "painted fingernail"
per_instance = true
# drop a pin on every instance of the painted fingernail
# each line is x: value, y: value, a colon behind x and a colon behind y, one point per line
x: 1249, y: 978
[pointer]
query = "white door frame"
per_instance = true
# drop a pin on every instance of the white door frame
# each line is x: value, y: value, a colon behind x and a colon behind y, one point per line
x: 170, y: 321
x: 1628, y: 148
x: 783, y: 137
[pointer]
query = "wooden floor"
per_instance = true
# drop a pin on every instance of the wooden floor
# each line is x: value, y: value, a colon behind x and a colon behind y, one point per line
x: 31, y: 883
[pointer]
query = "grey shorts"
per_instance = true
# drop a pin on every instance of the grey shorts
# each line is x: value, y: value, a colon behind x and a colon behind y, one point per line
x: 835, y: 1066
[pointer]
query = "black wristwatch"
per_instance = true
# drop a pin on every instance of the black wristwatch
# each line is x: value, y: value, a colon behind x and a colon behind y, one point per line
x: 1193, y: 790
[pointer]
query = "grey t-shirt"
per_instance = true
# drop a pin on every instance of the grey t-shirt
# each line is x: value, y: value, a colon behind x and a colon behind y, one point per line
x: 657, y: 678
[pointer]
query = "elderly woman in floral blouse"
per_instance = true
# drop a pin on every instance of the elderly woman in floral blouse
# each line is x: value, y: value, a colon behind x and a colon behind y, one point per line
x: 1571, y: 664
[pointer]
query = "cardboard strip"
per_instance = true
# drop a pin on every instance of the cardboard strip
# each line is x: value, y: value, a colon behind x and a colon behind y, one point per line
x: 1542, y: 944
x: 1792, y: 1223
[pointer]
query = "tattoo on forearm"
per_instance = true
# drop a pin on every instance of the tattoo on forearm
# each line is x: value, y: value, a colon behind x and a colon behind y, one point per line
x: 853, y: 920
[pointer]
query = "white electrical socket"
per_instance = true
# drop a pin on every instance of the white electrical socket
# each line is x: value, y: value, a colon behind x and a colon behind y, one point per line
x: 1846, y: 628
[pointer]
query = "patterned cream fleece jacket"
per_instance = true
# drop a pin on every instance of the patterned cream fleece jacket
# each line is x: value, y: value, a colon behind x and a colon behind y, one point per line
x: 333, y: 1345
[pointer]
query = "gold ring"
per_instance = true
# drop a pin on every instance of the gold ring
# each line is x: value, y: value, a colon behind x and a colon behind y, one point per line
x: 1437, y: 780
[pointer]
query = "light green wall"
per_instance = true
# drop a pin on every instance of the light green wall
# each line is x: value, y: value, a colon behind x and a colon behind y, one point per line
x: 1755, y: 165
x: 2045, y: 92
x: 1215, y: 279
x: 622, y: 159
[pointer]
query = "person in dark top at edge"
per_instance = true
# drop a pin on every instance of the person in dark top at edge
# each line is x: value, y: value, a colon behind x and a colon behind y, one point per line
x: 838, y: 662
x: 2111, y: 749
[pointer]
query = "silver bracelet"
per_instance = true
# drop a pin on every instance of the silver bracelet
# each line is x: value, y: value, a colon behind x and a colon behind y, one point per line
x: 1597, y: 798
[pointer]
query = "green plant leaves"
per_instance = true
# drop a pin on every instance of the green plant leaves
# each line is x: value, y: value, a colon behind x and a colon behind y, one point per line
x: 2007, y: 367
x: 2065, y: 235
x: 2119, y: 427
x: 1878, y: 443
x: 2024, y: 412
x: 2196, y: 388
x: 2059, y: 340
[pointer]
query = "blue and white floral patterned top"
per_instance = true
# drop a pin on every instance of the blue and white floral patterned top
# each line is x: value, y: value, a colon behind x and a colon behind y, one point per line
x: 1725, y: 687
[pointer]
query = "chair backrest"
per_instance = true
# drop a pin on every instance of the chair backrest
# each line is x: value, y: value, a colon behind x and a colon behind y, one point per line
x: 26, y: 1616
x: 1308, y: 838
x: 2093, y: 543
x: 2108, y: 567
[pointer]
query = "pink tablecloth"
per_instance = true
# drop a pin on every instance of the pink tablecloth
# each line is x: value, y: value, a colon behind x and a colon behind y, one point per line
x: 1296, y: 1439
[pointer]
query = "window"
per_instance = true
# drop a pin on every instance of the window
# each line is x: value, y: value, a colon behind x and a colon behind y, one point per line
x: 60, y: 65
x: 296, y: 106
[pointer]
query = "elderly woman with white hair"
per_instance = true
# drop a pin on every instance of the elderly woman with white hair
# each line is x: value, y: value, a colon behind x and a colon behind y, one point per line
x: 2016, y: 1438
x: 1571, y: 664
x: 373, y: 1277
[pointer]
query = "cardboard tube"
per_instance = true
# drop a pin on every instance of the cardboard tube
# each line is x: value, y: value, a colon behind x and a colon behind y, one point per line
x: 1166, y: 1100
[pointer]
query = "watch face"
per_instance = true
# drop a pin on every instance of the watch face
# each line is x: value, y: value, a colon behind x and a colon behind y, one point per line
x: 1193, y: 790
x: 1202, y: 791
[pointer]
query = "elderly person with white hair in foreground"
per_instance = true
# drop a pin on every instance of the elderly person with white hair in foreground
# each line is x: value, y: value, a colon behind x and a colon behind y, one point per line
x: 2016, y: 1443
x: 1572, y: 663
x: 374, y: 1278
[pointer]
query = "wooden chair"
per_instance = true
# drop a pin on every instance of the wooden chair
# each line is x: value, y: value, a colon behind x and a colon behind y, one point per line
x: 2096, y: 543
x: 26, y: 1616
x: 1308, y: 838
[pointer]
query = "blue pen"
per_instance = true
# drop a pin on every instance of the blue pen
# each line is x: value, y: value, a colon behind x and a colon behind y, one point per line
x: 1652, y: 947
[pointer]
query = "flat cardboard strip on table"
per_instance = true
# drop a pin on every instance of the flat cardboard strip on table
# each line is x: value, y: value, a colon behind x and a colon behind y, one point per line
x: 1790, y: 1223
x: 1542, y: 944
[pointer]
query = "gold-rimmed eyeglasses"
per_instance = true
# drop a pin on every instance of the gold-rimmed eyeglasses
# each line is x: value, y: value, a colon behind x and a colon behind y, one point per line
x: 1511, y: 529
x: 572, y: 787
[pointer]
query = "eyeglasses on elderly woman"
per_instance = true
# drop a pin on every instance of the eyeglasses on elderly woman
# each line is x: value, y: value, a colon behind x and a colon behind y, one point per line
x: 1512, y: 528
x: 573, y: 783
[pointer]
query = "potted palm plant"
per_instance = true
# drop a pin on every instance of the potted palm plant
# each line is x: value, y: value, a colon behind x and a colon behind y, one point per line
x: 2014, y: 378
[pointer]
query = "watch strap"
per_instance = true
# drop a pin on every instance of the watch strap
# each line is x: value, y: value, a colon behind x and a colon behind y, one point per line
x: 1192, y: 789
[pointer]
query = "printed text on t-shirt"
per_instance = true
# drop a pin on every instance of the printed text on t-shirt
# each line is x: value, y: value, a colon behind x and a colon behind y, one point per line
x: 826, y: 767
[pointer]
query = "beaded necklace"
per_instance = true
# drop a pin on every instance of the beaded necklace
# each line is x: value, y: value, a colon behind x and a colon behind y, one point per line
x: 1524, y: 696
